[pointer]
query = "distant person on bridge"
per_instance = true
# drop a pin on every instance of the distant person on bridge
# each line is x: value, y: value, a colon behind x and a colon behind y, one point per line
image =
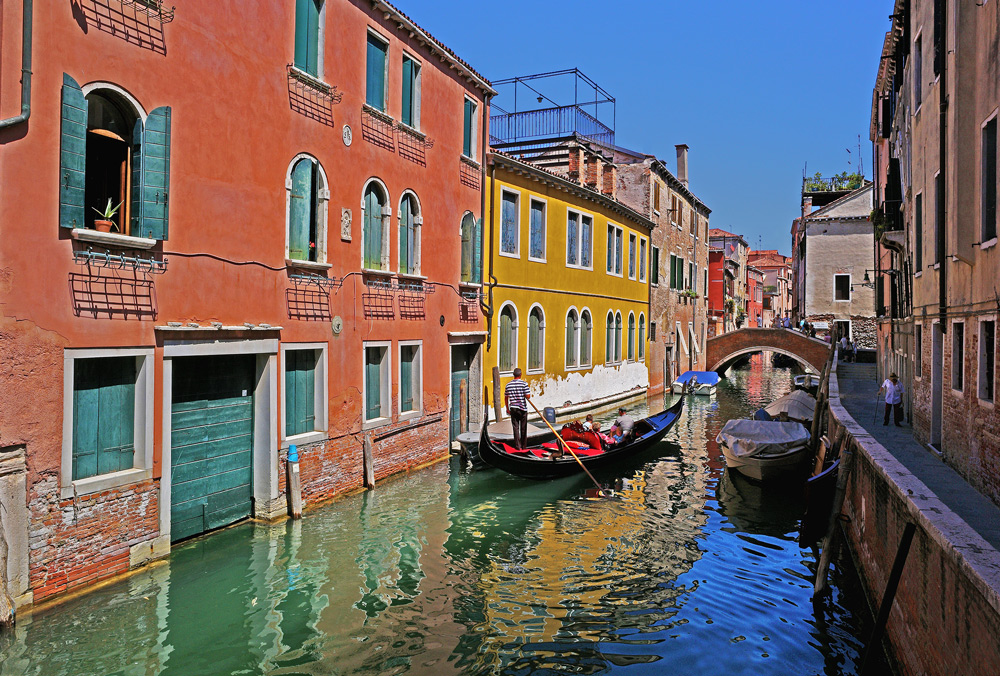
x: 893, y: 399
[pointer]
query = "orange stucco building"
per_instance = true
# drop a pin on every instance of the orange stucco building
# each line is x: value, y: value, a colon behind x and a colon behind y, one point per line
x: 294, y: 260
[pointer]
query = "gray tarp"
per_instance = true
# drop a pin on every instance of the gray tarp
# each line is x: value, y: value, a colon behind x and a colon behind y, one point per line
x: 797, y: 404
x: 746, y: 438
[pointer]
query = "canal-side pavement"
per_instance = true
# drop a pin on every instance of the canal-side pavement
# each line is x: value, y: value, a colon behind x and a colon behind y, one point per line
x: 858, y: 386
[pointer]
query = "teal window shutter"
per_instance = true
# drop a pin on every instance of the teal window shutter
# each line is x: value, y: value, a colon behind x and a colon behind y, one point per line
x: 103, y: 415
x: 307, y: 35
x: 407, y: 373
x: 534, y: 341
x: 372, y: 233
x: 506, y: 361
x: 618, y: 338
x: 631, y: 337
x: 609, y: 339
x: 477, y: 252
x: 155, y: 159
x: 301, y: 214
x: 407, y: 236
x: 373, y: 383
x: 585, y: 329
x: 375, y: 90
x: 72, y: 155
x: 642, y: 338
x: 467, y: 127
x: 468, y: 232
x: 135, y: 194
x: 571, y: 339
x: 300, y: 392
x: 409, y: 90
x: 509, y: 224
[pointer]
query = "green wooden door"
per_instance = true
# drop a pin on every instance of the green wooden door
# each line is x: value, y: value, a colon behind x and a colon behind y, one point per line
x: 461, y: 358
x: 211, y: 443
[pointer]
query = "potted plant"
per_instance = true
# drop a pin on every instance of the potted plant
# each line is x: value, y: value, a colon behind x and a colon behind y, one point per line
x: 104, y: 223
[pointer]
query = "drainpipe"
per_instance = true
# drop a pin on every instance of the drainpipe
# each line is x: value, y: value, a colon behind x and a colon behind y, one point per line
x: 25, y: 69
x: 488, y: 308
x: 942, y: 237
x: 485, y: 305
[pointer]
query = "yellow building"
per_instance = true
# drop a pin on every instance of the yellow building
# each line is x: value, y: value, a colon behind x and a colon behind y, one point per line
x: 570, y: 305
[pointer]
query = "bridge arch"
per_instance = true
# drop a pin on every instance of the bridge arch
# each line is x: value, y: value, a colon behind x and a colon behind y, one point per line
x: 722, y: 351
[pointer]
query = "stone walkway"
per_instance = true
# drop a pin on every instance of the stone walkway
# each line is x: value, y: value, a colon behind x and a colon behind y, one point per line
x: 858, y: 386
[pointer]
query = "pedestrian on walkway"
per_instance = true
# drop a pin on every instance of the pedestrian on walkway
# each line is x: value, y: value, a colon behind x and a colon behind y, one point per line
x: 893, y: 399
x: 515, y: 397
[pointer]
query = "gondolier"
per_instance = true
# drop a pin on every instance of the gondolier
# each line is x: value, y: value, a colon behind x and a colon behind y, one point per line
x: 515, y: 397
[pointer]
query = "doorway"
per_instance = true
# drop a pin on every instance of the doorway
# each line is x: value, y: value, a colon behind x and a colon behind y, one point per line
x: 462, y: 358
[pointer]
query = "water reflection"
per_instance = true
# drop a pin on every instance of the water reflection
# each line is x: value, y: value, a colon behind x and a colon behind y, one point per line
x: 446, y: 571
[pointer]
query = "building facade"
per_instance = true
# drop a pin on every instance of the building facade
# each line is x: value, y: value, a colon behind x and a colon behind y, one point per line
x: 296, y: 264
x: 755, y: 298
x: 939, y: 262
x: 777, y: 270
x: 735, y: 252
x: 568, y: 284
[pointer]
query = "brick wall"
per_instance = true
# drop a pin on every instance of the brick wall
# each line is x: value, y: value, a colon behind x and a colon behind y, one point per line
x: 946, y: 614
x: 77, y: 542
x: 810, y: 349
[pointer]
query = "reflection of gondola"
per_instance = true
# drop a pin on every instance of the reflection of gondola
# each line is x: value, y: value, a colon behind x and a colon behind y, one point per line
x: 538, y: 463
x: 753, y: 507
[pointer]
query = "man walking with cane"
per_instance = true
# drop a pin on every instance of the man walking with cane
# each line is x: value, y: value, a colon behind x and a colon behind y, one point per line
x: 515, y: 397
x: 893, y: 399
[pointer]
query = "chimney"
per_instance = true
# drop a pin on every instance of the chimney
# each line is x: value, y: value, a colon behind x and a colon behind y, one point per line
x: 593, y: 172
x: 576, y: 163
x: 807, y: 206
x: 610, y: 181
x: 682, y: 163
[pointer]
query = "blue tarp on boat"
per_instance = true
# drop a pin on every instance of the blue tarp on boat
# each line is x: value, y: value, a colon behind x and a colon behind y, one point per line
x: 704, y: 377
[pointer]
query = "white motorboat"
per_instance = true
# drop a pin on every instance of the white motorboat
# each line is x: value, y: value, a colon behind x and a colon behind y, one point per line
x: 797, y: 406
x: 765, y: 450
x: 807, y: 382
x: 696, y: 382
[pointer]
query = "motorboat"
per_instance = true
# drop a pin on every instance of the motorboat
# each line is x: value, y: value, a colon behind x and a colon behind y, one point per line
x: 808, y: 382
x: 547, y: 461
x: 797, y: 406
x: 765, y: 450
x: 696, y: 382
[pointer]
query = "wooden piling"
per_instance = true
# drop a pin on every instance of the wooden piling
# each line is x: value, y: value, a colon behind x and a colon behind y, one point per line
x: 369, y: 462
x: 496, y: 394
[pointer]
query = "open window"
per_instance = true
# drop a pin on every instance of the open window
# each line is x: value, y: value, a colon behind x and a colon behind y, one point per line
x: 307, y: 197
x: 471, y: 251
x: 111, y: 153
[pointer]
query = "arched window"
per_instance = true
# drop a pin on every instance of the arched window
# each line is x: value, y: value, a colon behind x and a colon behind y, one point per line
x: 307, y: 198
x: 618, y: 337
x: 631, y: 337
x: 586, y: 330
x: 470, y: 249
x: 642, y: 337
x: 111, y: 125
x: 374, y: 232
x: 572, y: 329
x: 410, y: 221
x: 507, y: 338
x: 609, y: 340
x: 536, y: 339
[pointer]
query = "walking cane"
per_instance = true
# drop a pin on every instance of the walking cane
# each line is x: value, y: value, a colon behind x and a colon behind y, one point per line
x: 878, y: 395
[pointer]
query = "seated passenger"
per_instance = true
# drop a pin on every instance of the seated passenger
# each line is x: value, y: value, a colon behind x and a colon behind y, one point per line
x: 588, y: 424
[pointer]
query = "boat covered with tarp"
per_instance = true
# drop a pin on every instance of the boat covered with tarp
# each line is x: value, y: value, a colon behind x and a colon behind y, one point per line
x: 764, y: 449
x: 548, y: 461
x: 696, y: 382
x: 797, y: 406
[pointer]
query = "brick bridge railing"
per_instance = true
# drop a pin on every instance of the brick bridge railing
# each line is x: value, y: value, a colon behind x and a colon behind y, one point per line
x: 722, y: 351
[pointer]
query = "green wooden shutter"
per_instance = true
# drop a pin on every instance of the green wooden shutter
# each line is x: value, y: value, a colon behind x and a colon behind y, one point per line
x: 300, y: 391
x: 373, y: 383
x: 570, y: 339
x: 506, y: 361
x: 375, y: 81
x: 609, y: 339
x: 631, y: 337
x: 477, y: 252
x: 611, y: 248
x: 155, y: 158
x: 103, y: 416
x: 307, y: 35
x: 586, y: 234
x: 406, y: 233
x: 406, y: 358
x: 408, y: 90
x: 86, y: 390
x: 585, y: 329
x: 654, y: 266
x: 372, y: 234
x: 468, y: 232
x: 300, y: 207
x: 642, y: 338
x: 135, y: 195
x: 470, y: 111
x: 72, y: 155
x: 534, y: 342
x: 618, y: 338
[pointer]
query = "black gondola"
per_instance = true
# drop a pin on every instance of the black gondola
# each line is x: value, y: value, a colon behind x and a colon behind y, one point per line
x: 646, y: 432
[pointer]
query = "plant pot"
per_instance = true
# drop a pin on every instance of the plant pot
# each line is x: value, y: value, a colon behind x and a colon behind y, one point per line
x: 104, y: 226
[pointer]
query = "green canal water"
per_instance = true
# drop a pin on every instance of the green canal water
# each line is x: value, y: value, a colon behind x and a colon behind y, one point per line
x: 687, y: 570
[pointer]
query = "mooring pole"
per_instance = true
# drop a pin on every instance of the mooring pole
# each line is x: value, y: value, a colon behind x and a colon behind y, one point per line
x: 846, y: 456
x: 875, y: 641
x: 496, y: 393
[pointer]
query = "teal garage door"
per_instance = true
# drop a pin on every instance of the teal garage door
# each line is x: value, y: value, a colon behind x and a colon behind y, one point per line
x: 211, y: 443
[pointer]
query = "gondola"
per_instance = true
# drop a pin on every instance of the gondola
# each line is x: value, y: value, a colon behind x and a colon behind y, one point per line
x: 535, y: 463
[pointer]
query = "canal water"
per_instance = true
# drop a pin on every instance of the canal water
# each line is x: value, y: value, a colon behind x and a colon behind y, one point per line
x: 688, y: 569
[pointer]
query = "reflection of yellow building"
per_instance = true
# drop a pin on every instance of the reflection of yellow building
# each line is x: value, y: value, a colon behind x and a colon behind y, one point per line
x: 571, y: 302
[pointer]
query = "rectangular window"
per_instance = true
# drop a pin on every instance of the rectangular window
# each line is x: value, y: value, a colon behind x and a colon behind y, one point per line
x: 572, y: 238
x: 509, y: 224
x: 938, y: 216
x: 615, y: 242
x: 842, y: 287
x: 691, y: 280
x: 104, y: 412
x: 579, y: 237
x: 469, y: 129
x: 989, y: 181
x: 987, y: 358
x: 619, y: 250
x: 673, y: 271
x: 679, y: 279
x: 631, y: 256
x: 918, y: 77
x: 536, y: 231
x: 410, y: 114
x: 656, y: 195
x: 300, y: 391
x: 377, y: 402
x: 375, y: 74
x: 918, y: 351
x: 654, y: 273
x: 642, y: 260
x: 918, y: 233
x: 705, y: 287
x: 957, y: 356
x: 939, y: 20
x: 410, y: 378
x: 586, y: 241
x: 307, y: 14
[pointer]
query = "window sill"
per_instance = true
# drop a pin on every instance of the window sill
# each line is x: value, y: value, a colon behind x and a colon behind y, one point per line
x: 376, y: 422
x: 411, y: 130
x: 407, y: 275
x: 988, y: 244
x: 309, y: 79
x: 985, y: 403
x: 471, y: 285
x: 537, y: 260
x: 304, y: 438
x: 410, y: 415
x: 112, y: 239
x: 381, y: 273
x: 375, y: 112
x: 571, y: 266
x: 535, y: 372
x: 468, y: 160
x: 509, y: 255
x: 307, y: 265
x: 919, y: 273
x: 104, y: 482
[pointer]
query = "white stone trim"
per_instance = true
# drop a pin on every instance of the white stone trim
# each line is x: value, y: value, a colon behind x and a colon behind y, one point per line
x: 418, y: 394
x: 321, y: 407
x: 385, y: 380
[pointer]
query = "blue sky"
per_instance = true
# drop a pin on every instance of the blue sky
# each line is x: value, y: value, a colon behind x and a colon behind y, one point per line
x: 756, y: 88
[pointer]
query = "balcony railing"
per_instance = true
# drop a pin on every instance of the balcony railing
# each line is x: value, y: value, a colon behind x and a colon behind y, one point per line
x: 548, y: 123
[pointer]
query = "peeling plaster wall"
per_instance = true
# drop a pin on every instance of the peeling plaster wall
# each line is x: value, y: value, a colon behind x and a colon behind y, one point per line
x: 578, y: 387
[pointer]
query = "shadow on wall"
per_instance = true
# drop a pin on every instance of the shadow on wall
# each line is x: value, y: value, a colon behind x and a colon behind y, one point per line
x: 112, y: 294
x: 130, y: 20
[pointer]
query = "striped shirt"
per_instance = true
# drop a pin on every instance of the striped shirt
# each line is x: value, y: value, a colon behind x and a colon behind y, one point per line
x: 516, y: 393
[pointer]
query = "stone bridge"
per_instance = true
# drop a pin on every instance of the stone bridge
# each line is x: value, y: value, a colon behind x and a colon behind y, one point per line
x: 722, y: 351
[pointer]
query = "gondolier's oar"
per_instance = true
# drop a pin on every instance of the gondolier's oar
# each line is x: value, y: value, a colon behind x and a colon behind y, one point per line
x: 566, y: 447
